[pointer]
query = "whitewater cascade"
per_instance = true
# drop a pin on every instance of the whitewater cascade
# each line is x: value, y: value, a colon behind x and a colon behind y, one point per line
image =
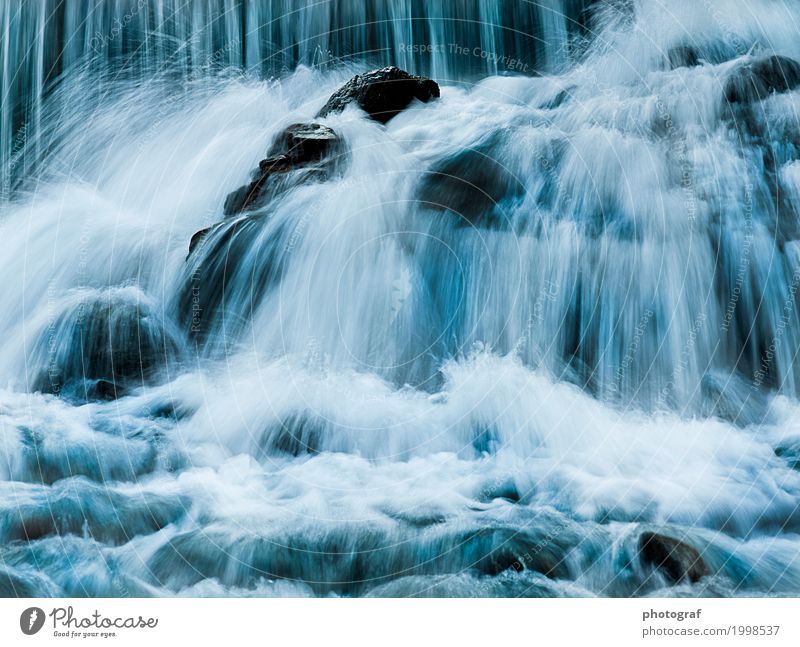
x: 522, y: 325
x: 44, y: 39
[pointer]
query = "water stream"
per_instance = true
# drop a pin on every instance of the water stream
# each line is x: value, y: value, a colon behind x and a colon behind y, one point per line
x: 552, y: 310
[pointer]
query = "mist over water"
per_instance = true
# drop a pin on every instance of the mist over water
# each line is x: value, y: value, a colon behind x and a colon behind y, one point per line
x: 521, y: 325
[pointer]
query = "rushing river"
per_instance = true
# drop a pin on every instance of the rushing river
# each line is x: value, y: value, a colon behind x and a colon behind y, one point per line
x: 526, y: 323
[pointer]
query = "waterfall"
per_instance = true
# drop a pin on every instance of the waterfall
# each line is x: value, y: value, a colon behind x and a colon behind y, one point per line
x: 515, y: 330
x: 42, y: 40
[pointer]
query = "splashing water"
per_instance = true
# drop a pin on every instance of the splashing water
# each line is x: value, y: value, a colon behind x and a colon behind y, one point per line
x: 529, y: 322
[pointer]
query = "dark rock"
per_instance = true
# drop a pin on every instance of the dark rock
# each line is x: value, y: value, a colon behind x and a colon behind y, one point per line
x: 303, y: 143
x: 218, y: 264
x: 758, y: 79
x: 105, y: 390
x: 108, y: 340
x: 296, y: 435
x: 731, y: 396
x: 312, y: 148
x: 492, y: 551
x: 249, y: 195
x: 86, y: 508
x: 238, y: 200
x: 472, y: 183
x: 197, y: 238
x: 683, y: 56
x: 382, y: 93
x: 559, y: 99
x: 677, y: 560
x: 338, y: 560
x: 277, y: 164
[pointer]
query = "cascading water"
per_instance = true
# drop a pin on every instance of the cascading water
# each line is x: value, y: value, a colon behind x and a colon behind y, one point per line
x: 524, y: 325
x: 43, y: 39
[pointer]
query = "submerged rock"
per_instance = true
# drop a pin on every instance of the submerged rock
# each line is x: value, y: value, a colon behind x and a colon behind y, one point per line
x: 104, y: 343
x: 78, y: 506
x: 732, y: 398
x: 311, y: 148
x: 105, y: 390
x: 382, y: 93
x: 219, y: 263
x: 789, y: 450
x: 683, y: 56
x: 335, y: 559
x: 473, y: 184
x: 677, y: 560
x: 758, y: 79
x: 24, y: 584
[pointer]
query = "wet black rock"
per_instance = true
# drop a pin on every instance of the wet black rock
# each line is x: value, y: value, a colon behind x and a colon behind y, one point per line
x: 249, y: 195
x: 220, y: 260
x: 492, y: 551
x: 472, y: 183
x: 559, y: 99
x: 301, y: 152
x: 78, y: 506
x: 303, y: 143
x: 197, y: 238
x: 108, y: 343
x: 683, y: 56
x: 382, y: 93
x: 758, y: 79
x: 296, y: 435
x: 731, y: 396
x: 677, y: 560
x: 335, y: 559
x: 105, y: 390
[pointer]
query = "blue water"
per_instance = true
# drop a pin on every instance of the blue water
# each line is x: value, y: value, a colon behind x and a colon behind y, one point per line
x: 531, y: 320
